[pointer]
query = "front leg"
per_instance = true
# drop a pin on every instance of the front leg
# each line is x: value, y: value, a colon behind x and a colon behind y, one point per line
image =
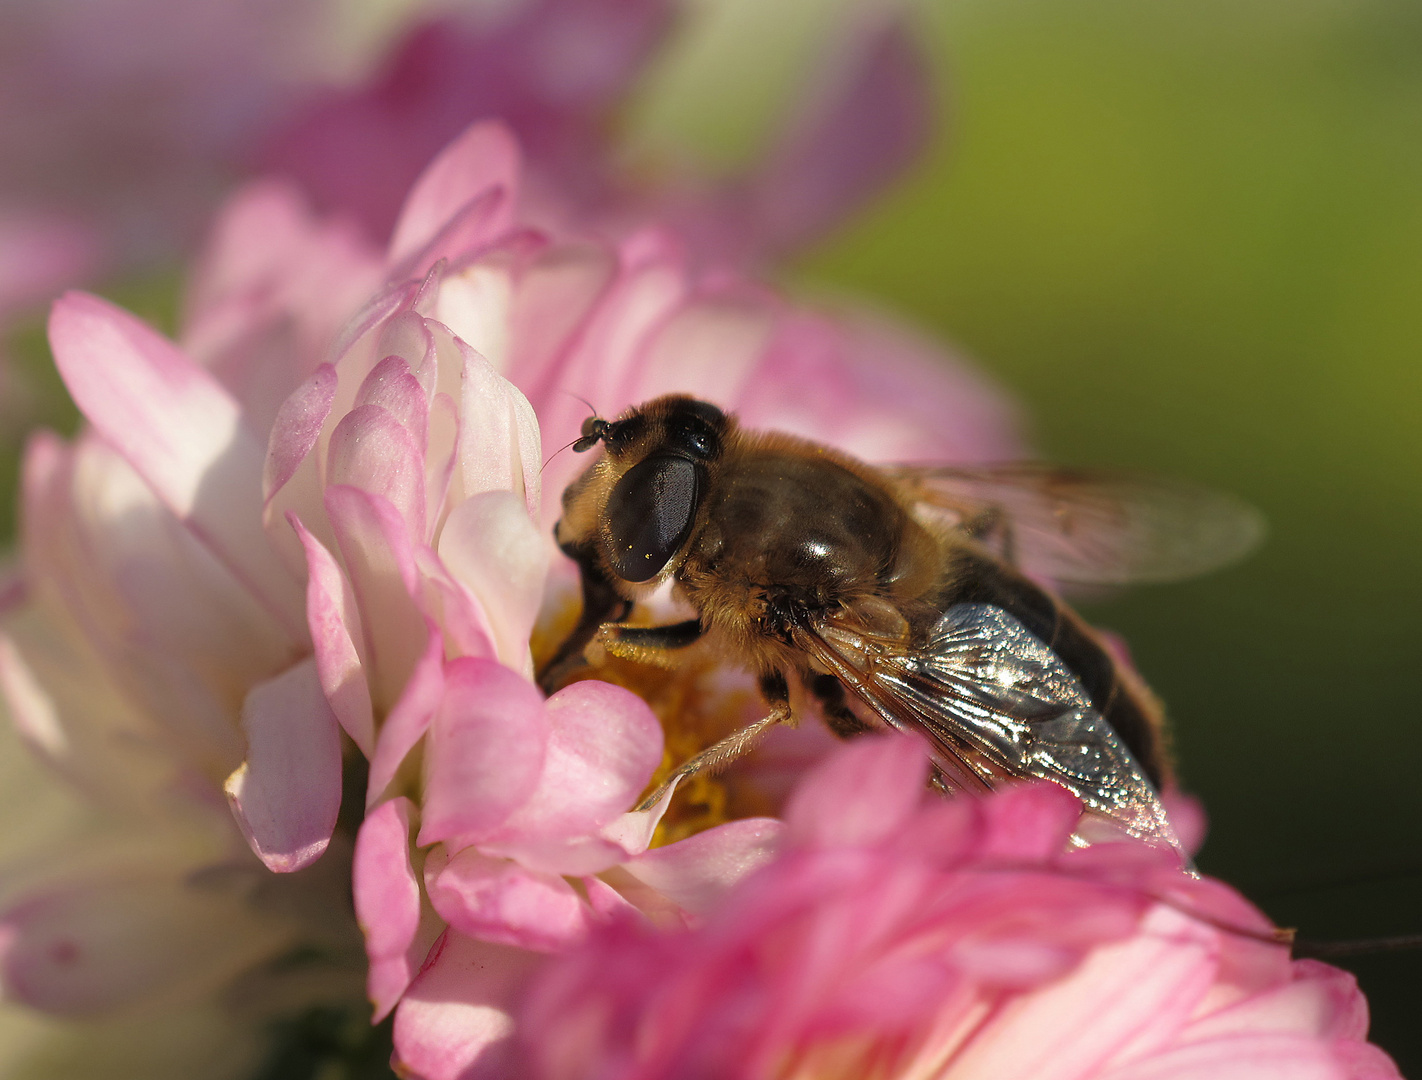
x: 654, y: 645
x: 601, y: 604
x: 776, y: 692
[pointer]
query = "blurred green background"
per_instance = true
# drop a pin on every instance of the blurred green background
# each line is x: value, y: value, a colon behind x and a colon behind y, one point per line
x: 1189, y: 236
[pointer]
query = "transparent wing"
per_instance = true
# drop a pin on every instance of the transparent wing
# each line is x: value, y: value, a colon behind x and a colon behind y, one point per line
x: 1088, y: 527
x: 996, y: 703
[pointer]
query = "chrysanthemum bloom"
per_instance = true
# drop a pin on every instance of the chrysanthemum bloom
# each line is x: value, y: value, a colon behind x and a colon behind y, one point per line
x: 899, y: 935
x: 271, y: 532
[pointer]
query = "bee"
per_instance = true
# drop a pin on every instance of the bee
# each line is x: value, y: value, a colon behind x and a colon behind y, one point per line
x: 908, y: 597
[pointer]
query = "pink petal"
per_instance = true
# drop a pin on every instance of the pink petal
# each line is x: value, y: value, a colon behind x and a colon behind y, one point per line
x: 376, y: 549
x: 392, y: 385
x: 696, y: 873
x: 410, y: 719
x: 455, y: 1021
x: 499, y: 448
x: 181, y: 431
x: 498, y: 900
x: 1248, y: 1057
x: 709, y: 348
x: 604, y: 743
x: 440, y: 459
x: 286, y: 795
x: 1318, y: 1000
x: 1029, y: 822
x: 557, y: 293
x: 357, y: 348
x: 1126, y: 1000
x: 387, y: 903
x: 879, y: 391
x: 491, y: 545
x: 408, y: 340
x: 371, y: 450
x: 606, y: 902
x: 335, y: 629
x: 481, y: 162
x: 860, y: 796
x: 461, y: 617
x: 298, y: 426
x: 486, y: 750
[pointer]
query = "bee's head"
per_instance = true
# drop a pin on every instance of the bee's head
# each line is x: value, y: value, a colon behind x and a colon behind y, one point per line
x: 650, y: 485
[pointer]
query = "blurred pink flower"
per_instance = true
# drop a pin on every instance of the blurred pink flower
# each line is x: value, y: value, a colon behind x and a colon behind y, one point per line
x: 130, y: 118
x: 553, y: 70
x: 901, y: 935
x: 556, y: 71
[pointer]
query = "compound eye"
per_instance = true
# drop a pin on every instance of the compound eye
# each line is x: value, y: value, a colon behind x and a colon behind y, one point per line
x: 649, y: 515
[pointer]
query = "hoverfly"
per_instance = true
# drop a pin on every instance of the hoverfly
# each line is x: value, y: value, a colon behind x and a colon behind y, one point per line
x: 898, y: 596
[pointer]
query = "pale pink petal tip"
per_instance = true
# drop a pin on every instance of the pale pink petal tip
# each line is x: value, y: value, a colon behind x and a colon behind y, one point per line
x: 287, y: 794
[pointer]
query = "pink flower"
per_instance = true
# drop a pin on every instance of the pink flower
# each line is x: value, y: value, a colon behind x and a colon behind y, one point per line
x: 900, y: 935
x: 406, y: 469
x: 280, y: 544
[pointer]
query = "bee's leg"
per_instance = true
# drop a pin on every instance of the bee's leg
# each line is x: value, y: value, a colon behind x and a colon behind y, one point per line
x: 777, y: 693
x: 840, y: 718
x: 653, y: 645
x: 600, y: 604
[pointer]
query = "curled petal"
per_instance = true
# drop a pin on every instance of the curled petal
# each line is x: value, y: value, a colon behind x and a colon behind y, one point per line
x: 298, y: 426
x: 336, y: 635
x: 1031, y: 821
x: 394, y: 387
x: 286, y: 795
x: 461, y: 617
